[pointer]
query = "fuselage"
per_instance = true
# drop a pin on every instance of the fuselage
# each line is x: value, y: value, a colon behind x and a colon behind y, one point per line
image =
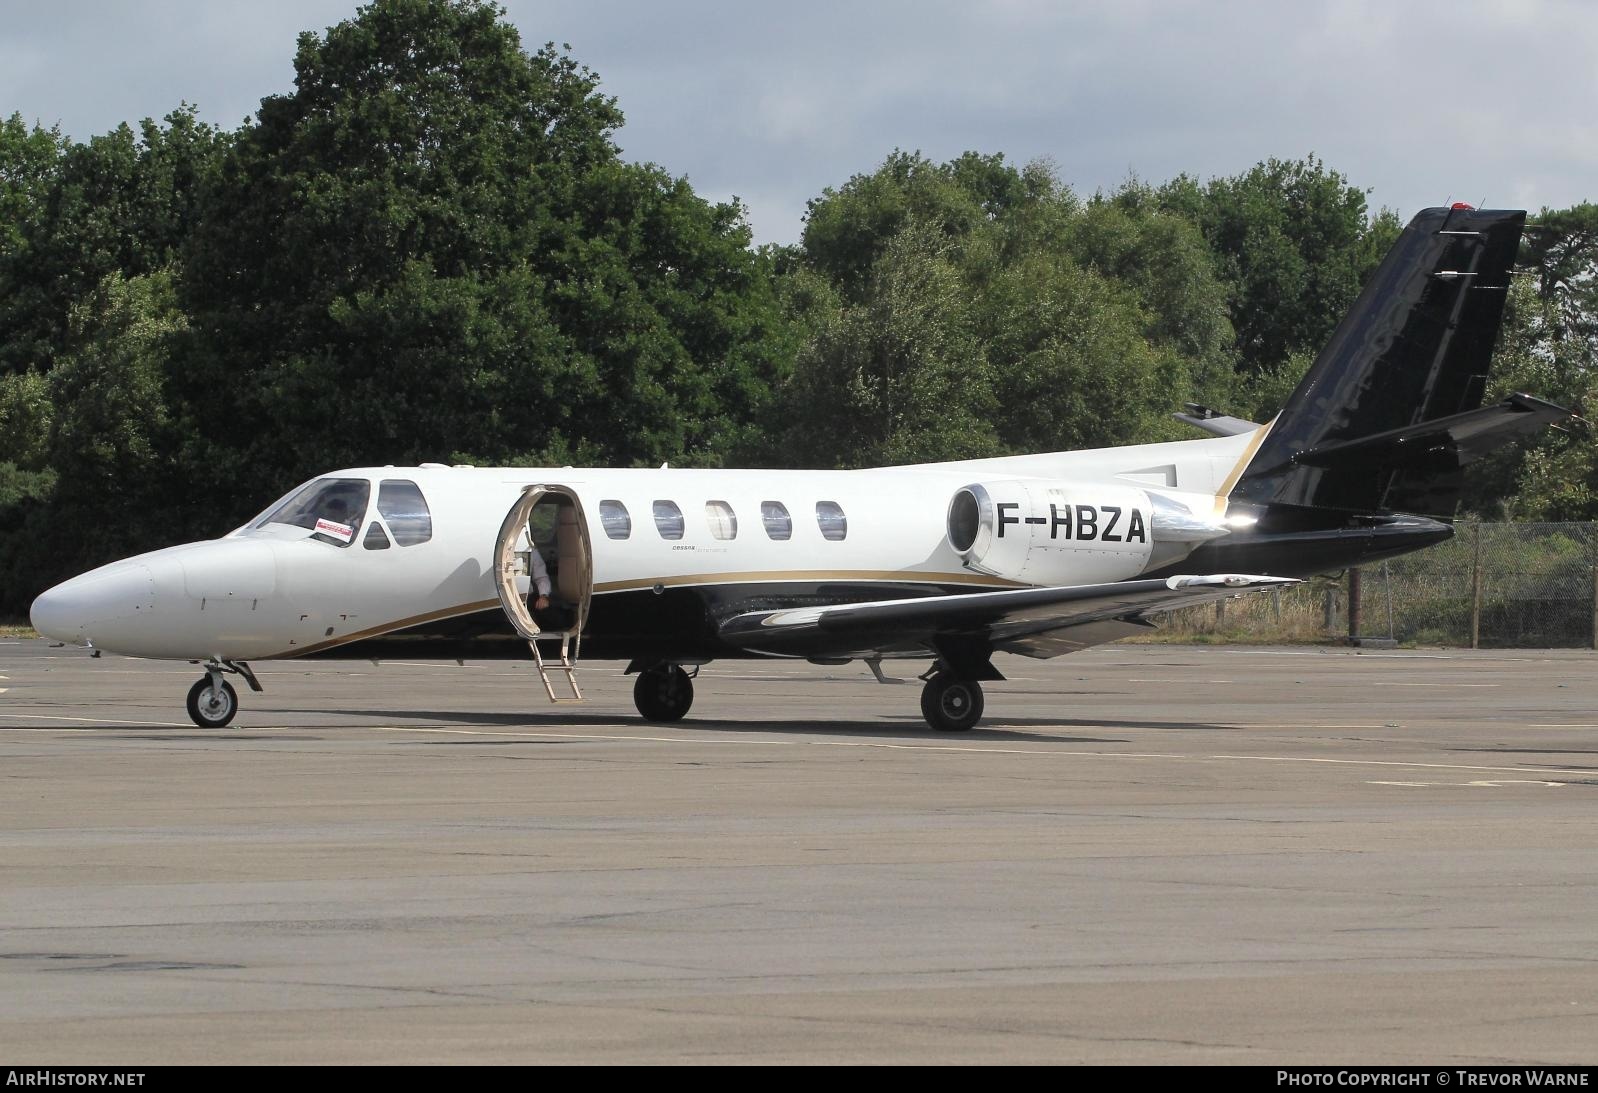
x: 673, y: 552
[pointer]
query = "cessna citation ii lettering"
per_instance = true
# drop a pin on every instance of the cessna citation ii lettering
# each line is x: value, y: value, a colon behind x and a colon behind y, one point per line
x: 1037, y: 555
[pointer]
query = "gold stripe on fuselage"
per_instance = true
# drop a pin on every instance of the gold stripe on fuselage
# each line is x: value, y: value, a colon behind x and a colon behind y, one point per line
x: 892, y: 576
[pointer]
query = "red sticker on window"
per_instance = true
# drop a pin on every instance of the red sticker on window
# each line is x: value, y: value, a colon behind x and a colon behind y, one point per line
x: 342, y: 532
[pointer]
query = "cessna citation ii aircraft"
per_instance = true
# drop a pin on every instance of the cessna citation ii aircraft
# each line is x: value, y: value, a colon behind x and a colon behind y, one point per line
x: 1038, y: 555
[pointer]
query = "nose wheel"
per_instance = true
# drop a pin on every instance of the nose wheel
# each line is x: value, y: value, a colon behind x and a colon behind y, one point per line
x: 950, y: 704
x: 663, y: 693
x: 212, y: 702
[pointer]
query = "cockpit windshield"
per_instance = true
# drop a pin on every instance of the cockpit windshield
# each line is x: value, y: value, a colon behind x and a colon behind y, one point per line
x: 332, y: 509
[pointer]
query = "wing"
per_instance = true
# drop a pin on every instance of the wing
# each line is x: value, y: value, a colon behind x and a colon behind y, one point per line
x: 1035, y: 622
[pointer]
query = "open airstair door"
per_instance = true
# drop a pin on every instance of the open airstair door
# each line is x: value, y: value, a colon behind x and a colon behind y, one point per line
x: 549, y: 519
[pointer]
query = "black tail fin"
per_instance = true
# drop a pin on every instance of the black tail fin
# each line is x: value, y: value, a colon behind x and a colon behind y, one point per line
x: 1384, y: 418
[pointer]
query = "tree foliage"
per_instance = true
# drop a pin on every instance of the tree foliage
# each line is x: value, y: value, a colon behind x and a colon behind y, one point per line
x: 124, y: 202
x: 1295, y: 242
x: 433, y: 247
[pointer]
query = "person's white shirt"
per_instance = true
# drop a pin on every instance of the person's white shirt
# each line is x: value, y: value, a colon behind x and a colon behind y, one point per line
x: 540, y: 572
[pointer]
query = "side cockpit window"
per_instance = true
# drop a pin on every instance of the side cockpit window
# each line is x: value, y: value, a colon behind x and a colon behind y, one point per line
x: 332, y: 509
x: 400, y: 502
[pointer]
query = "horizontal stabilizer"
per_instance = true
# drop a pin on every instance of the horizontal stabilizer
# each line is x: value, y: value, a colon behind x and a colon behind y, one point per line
x: 1214, y: 422
x: 1038, y: 622
x: 1466, y: 437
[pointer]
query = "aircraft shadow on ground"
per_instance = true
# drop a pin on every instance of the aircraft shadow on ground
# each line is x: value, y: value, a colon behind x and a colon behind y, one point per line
x: 913, y: 729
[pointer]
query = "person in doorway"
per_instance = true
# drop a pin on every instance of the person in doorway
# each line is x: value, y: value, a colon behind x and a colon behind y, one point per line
x: 539, y: 581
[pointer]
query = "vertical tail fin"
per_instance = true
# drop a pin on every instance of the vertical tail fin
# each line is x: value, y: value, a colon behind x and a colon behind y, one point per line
x: 1413, y: 349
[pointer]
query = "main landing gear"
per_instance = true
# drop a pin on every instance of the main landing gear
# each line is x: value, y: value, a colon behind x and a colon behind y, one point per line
x: 950, y: 704
x: 664, y: 692
x: 212, y: 700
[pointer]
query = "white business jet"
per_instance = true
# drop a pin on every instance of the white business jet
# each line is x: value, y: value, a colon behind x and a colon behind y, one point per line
x: 1037, y: 555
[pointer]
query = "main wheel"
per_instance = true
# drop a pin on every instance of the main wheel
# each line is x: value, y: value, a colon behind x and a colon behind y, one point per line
x: 951, y: 705
x: 211, y: 707
x: 663, y: 693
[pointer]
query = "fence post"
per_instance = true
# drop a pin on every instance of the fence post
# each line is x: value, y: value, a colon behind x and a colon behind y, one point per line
x: 1475, y: 593
x: 1354, y: 606
x: 1595, y: 607
x: 1331, y: 607
x: 1220, y: 614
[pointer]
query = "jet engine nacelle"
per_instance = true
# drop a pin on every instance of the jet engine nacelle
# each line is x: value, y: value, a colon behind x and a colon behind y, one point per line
x: 1052, y: 533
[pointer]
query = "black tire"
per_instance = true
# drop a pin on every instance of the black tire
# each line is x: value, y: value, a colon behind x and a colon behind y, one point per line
x: 663, y: 693
x: 209, y: 709
x: 951, y: 705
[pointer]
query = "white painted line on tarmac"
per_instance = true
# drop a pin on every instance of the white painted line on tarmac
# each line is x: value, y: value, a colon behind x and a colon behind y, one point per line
x: 1399, y: 763
x: 93, y: 720
x: 1488, y: 783
x: 1180, y: 679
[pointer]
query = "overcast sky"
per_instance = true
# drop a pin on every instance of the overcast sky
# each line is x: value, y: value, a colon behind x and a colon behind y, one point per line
x: 1420, y: 102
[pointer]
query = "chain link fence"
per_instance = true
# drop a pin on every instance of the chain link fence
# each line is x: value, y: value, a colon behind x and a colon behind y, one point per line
x: 1491, y: 585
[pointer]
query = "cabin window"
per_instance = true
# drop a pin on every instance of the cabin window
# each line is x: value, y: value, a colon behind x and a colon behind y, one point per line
x: 723, y: 521
x: 833, y: 523
x: 774, y: 514
x: 613, y: 516
x: 332, y: 509
x: 400, y: 502
x: 375, y: 539
x: 668, y: 520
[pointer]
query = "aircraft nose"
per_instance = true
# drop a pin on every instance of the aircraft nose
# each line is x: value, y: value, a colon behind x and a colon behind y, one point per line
x: 73, y: 610
x: 55, y: 615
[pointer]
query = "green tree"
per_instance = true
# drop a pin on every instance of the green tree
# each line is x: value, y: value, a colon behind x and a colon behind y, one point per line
x: 1163, y: 259
x: 848, y: 229
x: 1295, y: 242
x: 1072, y: 363
x: 1081, y: 325
x: 75, y: 213
x: 1549, y: 348
x: 25, y: 415
x: 114, y: 478
x: 433, y: 247
x: 899, y: 376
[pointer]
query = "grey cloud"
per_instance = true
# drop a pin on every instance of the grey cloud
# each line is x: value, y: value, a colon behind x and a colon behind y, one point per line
x: 1420, y: 102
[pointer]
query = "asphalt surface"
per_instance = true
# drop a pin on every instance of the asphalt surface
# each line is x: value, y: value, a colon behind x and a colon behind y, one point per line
x: 1146, y: 854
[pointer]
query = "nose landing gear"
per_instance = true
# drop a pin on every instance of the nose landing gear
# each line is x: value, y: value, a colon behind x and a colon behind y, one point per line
x: 212, y: 706
x: 212, y: 700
